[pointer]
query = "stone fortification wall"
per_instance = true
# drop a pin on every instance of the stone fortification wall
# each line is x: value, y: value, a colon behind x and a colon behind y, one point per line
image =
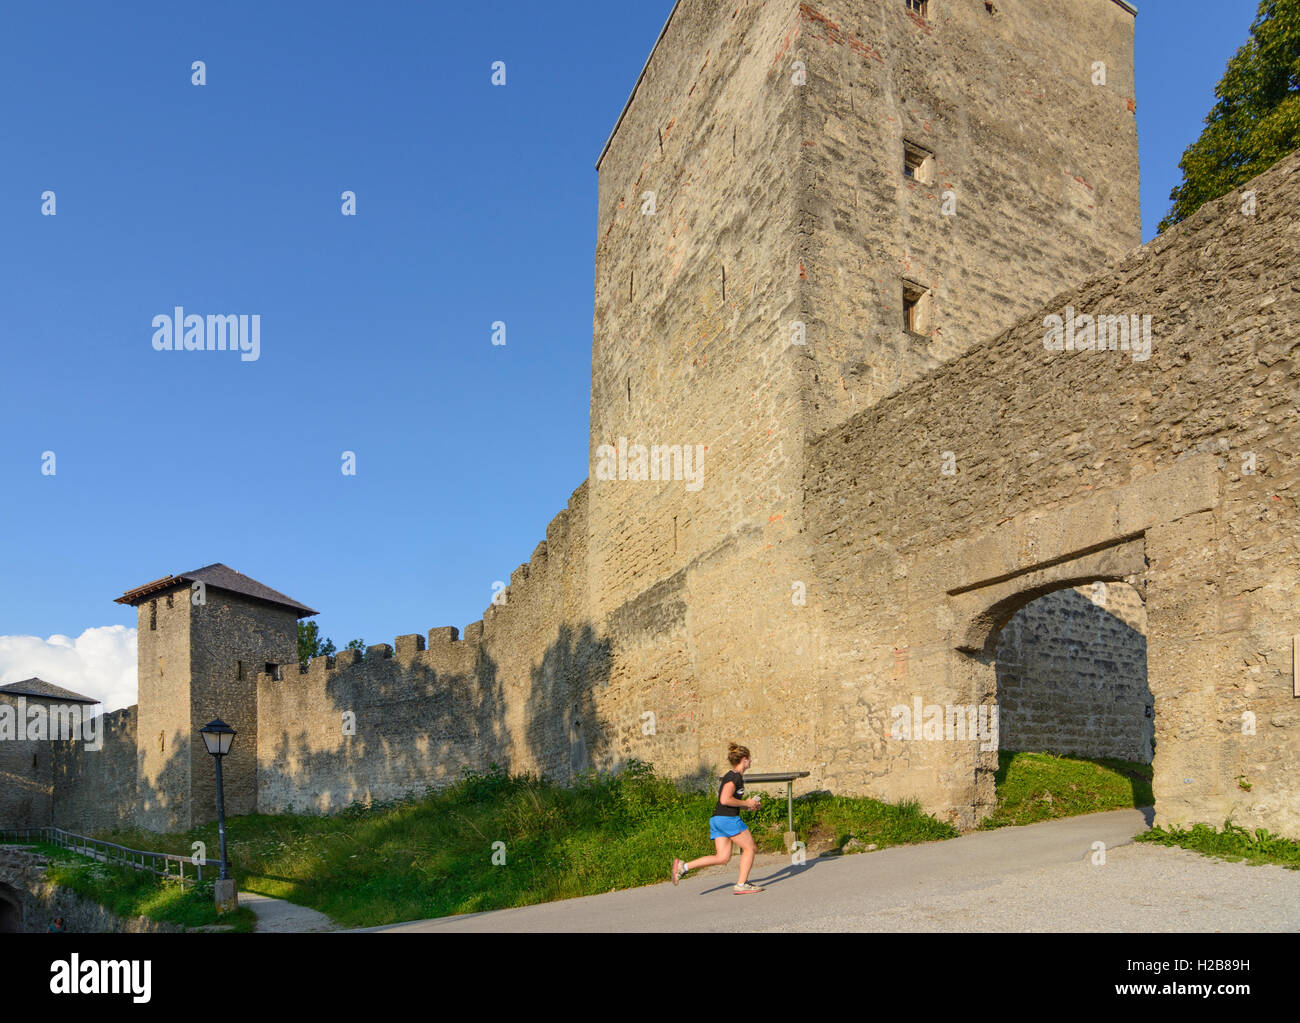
x: 97, y: 789
x: 1178, y: 471
x: 26, y: 772
x: 1030, y: 186
x: 520, y: 689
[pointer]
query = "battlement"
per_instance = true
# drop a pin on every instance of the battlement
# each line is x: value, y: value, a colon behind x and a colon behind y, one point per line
x: 400, y: 716
x: 555, y: 550
x: 827, y: 233
x: 444, y: 645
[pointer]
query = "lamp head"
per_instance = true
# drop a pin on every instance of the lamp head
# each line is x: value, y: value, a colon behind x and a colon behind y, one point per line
x: 217, y: 737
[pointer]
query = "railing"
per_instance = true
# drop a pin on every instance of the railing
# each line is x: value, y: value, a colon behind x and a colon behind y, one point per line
x: 786, y: 776
x: 137, y: 859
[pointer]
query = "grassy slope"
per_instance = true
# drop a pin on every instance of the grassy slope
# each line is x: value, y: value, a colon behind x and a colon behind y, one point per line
x: 1042, y: 786
x: 433, y: 856
x: 130, y: 893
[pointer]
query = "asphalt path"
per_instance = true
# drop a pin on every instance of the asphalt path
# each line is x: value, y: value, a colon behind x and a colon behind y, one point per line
x: 1042, y: 877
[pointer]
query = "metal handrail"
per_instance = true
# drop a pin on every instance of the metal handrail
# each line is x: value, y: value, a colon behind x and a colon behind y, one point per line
x: 786, y: 776
x: 110, y: 852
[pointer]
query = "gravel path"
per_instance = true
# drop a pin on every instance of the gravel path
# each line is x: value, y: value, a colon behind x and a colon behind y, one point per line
x: 275, y: 916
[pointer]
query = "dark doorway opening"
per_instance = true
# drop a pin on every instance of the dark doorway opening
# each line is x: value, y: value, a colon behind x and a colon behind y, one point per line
x: 1072, y: 675
x: 11, y: 911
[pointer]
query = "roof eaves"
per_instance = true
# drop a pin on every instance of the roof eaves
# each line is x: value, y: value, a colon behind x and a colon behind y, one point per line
x: 24, y: 688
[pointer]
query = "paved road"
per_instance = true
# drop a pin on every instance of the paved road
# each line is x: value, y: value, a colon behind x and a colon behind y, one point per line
x: 1035, y: 878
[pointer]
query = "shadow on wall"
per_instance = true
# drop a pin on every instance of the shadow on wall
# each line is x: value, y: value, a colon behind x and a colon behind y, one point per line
x: 1072, y: 675
x: 94, y: 789
x: 417, y: 727
x: 561, y: 729
x: 93, y: 795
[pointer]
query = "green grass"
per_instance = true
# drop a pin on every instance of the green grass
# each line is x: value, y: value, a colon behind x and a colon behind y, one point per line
x: 129, y: 893
x: 1035, y: 787
x: 1233, y: 843
x: 432, y: 856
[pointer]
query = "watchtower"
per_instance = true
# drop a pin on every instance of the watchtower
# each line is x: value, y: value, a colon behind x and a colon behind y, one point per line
x: 203, y: 636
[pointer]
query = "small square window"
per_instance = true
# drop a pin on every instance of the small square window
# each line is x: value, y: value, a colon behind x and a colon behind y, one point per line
x: 918, y: 163
x: 919, y: 7
x: 916, y: 309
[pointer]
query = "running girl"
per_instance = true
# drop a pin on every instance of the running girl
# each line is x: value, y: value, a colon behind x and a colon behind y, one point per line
x: 725, y: 826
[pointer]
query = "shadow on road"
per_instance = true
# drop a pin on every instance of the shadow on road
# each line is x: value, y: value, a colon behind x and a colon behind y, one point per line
x: 786, y: 873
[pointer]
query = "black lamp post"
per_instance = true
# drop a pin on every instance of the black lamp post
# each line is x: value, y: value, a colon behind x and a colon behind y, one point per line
x: 217, y: 736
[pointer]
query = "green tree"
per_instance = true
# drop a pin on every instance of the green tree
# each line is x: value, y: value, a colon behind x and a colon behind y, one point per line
x: 1257, y: 119
x: 309, y: 642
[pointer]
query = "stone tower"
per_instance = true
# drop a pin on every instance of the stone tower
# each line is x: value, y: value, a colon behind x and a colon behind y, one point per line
x: 28, y: 737
x: 203, y: 638
x: 802, y: 208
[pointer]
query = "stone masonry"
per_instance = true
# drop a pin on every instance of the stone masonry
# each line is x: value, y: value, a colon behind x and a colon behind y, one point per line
x: 1072, y: 675
x: 831, y: 240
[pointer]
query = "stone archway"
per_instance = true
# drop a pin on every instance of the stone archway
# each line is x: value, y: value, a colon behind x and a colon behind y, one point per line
x: 981, y: 613
x: 1071, y: 671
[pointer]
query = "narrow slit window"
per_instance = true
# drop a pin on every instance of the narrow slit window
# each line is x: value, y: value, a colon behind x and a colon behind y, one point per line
x: 918, y: 163
x: 153, y: 614
x: 916, y: 309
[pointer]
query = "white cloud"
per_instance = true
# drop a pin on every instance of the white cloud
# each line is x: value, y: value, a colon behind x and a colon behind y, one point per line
x: 100, y: 663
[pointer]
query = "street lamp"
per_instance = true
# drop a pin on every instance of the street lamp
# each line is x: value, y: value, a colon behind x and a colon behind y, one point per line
x: 217, y: 737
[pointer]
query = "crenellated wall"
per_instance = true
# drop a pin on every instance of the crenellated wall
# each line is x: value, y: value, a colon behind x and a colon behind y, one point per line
x: 876, y: 505
x: 520, y: 689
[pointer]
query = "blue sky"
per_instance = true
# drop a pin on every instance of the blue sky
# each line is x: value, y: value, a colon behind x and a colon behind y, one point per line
x: 474, y: 204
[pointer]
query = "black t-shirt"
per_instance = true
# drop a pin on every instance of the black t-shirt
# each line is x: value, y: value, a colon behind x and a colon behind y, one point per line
x: 730, y: 811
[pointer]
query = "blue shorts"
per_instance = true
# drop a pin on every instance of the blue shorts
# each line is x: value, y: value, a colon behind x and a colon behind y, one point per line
x: 726, y: 827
